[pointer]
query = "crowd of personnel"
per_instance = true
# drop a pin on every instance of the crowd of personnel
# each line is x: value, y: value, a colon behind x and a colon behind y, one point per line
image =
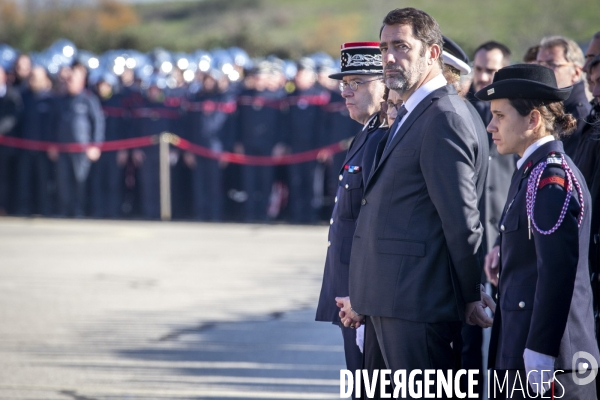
x: 267, y: 107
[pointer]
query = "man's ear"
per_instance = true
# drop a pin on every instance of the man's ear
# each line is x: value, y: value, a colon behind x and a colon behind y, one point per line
x: 435, y: 52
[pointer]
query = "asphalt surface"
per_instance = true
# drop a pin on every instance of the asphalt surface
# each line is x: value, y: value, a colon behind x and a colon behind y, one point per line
x: 93, y: 310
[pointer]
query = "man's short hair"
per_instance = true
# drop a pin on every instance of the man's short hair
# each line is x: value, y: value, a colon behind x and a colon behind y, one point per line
x: 597, y: 35
x: 493, y: 45
x: 531, y: 54
x: 424, y: 28
x: 571, y: 50
x: 594, y: 63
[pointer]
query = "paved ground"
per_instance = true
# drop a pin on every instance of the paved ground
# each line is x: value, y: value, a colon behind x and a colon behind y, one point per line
x: 94, y: 310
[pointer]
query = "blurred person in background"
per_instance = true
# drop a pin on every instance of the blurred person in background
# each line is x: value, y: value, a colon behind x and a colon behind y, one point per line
x: 530, y: 56
x: 11, y: 111
x: 565, y: 58
x: 79, y: 120
x: 151, y: 116
x: 588, y: 161
x: 22, y: 71
x: 108, y: 174
x: 35, y: 172
x: 210, y: 123
x: 393, y: 103
x: 304, y: 119
x: 592, y: 51
x: 259, y: 128
x: 489, y: 58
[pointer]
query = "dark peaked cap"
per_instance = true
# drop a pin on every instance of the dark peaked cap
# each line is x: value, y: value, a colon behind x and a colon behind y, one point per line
x: 455, y: 56
x: 524, y: 81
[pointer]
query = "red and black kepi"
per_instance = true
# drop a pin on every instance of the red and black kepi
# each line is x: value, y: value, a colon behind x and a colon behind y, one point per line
x: 360, y: 58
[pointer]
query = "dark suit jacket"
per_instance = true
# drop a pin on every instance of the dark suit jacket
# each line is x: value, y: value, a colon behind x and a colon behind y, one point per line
x: 544, y: 295
x: 414, y: 254
x: 345, y: 212
x: 578, y: 105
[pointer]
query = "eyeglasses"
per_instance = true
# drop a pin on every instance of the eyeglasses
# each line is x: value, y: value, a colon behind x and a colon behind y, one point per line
x: 354, y: 84
x: 391, y: 104
x: 552, y: 65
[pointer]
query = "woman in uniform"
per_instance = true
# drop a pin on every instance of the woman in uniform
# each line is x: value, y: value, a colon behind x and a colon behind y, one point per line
x: 544, y: 319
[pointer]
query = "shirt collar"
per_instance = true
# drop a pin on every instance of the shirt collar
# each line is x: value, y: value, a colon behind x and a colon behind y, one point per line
x: 533, y: 147
x: 2, y: 90
x: 422, y: 92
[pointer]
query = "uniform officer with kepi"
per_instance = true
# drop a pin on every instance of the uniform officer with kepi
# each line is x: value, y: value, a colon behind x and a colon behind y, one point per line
x: 362, y: 86
x: 544, y: 316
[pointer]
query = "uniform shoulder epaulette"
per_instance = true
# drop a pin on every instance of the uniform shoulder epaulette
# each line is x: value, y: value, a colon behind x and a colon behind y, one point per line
x: 554, y: 173
x: 562, y: 175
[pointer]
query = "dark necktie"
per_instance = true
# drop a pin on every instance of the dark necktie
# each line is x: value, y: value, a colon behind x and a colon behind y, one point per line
x: 387, y: 139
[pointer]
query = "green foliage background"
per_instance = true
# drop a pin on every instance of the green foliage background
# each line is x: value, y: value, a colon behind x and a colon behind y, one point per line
x: 288, y: 28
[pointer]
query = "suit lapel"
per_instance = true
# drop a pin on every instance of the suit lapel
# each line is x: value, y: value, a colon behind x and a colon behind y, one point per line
x: 406, y: 125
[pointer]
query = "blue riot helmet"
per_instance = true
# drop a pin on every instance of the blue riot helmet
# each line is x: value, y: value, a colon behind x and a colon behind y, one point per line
x: 64, y: 48
x: 89, y: 59
x: 290, y: 69
x: 8, y: 56
x: 155, y: 80
x: 222, y: 60
x: 161, y: 60
x: 241, y: 60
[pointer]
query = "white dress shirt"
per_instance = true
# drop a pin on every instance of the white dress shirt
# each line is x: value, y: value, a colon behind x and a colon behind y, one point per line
x: 533, y: 147
x: 419, y: 94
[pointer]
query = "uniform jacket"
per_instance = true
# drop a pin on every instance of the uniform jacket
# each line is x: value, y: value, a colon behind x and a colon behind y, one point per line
x: 80, y: 120
x: 304, y: 118
x: 544, y: 295
x: 260, y: 120
x: 11, y: 111
x: 210, y: 119
x: 414, y: 254
x: 39, y: 115
x: 343, y: 220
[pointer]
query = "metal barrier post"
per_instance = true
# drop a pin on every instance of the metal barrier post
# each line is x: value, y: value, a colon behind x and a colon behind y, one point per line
x: 165, y: 177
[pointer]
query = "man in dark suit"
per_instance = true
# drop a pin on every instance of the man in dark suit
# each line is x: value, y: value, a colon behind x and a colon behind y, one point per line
x: 362, y: 88
x: 414, y: 269
x: 566, y: 59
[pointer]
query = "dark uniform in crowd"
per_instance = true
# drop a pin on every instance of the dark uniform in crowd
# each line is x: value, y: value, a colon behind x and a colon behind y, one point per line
x: 302, y: 133
x: 352, y: 177
x: 108, y: 174
x: 80, y: 120
x: 35, y: 172
x: 210, y: 123
x: 11, y: 108
x: 259, y: 129
x: 151, y: 116
x: 544, y: 314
